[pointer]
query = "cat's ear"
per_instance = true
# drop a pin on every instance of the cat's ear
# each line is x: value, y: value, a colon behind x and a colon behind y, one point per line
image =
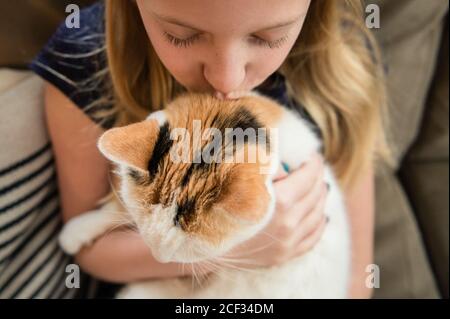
x: 130, y: 145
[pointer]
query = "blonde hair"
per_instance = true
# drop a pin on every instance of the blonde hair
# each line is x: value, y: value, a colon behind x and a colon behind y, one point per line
x: 333, y: 70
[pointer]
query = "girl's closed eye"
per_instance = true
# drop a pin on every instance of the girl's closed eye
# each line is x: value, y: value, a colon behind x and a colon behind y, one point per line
x: 271, y: 44
x: 253, y: 39
x: 180, y: 42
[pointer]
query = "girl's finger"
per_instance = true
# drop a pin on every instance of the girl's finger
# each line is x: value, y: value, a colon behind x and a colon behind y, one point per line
x: 307, y: 221
x: 307, y: 243
x: 309, y: 202
x: 312, y: 220
x: 282, y: 172
x: 295, y: 186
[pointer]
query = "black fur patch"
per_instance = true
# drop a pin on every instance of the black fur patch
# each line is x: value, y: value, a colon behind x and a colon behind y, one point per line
x: 185, y: 210
x: 244, y: 119
x: 162, y: 147
x: 202, y: 166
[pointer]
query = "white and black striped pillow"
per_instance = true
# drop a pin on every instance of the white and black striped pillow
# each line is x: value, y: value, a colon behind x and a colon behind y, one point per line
x: 32, y: 265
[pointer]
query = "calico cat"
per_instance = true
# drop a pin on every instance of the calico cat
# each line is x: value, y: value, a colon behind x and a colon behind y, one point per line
x: 199, y: 209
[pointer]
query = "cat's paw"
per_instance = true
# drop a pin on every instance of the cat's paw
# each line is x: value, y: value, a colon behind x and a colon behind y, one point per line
x: 74, y: 235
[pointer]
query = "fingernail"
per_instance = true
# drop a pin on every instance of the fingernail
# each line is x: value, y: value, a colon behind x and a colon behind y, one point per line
x: 285, y: 167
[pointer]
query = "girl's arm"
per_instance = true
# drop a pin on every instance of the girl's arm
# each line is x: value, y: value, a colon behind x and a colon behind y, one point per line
x: 361, y: 209
x: 83, y: 180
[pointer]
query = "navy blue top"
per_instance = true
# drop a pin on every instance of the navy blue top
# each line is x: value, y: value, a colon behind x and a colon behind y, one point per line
x: 72, y: 56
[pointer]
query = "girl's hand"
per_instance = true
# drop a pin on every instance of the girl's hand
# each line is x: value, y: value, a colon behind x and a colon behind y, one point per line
x: 298, y: 221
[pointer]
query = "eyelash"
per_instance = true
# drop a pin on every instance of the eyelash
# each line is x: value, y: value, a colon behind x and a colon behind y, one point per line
x: 270, y: 44
x: 180, y: 42
x: 189, y: 41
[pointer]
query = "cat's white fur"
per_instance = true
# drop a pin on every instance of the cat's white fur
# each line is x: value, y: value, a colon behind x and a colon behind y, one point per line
x: 323, y: 272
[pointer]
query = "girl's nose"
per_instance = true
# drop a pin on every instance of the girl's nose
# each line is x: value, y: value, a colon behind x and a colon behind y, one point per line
x: 225, y: 77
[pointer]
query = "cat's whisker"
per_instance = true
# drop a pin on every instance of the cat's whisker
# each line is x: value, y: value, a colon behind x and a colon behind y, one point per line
x: 251, y: 251
x: 125, y: 226
x: 204, y: 272
x: 222, y: 270
x: 234, y: 264
x: 229, y: 262
x: 192, y: 276
x: 207, y: 267
x: 194, y: 273
x: 182, y: 268
x: 201, y: 270
x: 119, y: 221
x: 216, y: 268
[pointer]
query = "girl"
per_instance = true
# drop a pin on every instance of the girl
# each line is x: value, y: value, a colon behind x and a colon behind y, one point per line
x: 131, y: 57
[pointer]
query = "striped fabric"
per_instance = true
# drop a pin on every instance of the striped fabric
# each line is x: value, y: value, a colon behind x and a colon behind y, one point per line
x: 31, y: 263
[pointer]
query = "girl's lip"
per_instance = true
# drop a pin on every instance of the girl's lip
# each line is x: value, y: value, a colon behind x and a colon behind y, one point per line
x: 219, y: 95
x: 231, y: 95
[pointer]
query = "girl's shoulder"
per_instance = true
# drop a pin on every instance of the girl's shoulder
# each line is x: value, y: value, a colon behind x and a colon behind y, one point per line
x: 74, y: 60
x: 276, y: 87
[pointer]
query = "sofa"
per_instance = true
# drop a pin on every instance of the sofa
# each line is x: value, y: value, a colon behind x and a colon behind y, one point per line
x: 412, y: 210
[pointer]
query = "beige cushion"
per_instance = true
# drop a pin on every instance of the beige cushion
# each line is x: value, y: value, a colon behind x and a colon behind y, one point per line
x: 399, y: 250
x: 29, y: 205
x: 425, y: 173
x: 410, y: 37
x: 25, y: 27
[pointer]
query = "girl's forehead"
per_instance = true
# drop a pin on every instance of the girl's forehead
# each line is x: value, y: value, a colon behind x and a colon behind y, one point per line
x: 227, y: 15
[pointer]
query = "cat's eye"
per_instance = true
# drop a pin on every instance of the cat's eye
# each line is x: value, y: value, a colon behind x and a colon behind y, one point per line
x: 137, y: 177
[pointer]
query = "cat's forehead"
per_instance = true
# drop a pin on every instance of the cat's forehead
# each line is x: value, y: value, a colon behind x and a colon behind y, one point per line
x: 199, y: 106
x: 203, y: 106
x: 191, y: 114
